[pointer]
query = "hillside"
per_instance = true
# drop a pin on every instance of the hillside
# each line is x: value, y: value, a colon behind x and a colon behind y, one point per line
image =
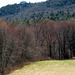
x: 35, y: 38
x: 31, y: 10
x: 66, y: 67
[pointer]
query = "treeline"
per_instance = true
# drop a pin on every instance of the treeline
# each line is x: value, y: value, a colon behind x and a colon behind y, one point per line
x: 14, y: 9
x: 59, y: 2
x: 40, y: 10
x: 45, y: 40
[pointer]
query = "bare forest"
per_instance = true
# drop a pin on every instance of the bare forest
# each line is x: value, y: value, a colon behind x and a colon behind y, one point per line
x: 43, y: 41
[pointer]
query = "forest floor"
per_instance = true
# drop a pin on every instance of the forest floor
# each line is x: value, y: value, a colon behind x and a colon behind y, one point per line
x: 48, y: 67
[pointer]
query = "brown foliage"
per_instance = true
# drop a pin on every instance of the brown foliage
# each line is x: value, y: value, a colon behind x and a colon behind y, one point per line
x: 22, y: 43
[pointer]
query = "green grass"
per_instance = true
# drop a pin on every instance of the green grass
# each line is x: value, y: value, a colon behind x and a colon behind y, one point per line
x: 50, y: 67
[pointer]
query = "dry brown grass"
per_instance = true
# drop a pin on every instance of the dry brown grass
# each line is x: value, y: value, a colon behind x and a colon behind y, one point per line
x: 66, y: 67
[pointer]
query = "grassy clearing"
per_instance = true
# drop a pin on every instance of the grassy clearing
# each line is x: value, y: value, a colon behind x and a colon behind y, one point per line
x: 51, y: 67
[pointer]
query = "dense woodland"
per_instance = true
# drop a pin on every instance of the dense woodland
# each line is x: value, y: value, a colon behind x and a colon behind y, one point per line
x: 51, y: 9
x: 36, y: 41
x: 31, y: 32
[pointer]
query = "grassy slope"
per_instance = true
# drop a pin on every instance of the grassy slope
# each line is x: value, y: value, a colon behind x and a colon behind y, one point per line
x: 65, y: 67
